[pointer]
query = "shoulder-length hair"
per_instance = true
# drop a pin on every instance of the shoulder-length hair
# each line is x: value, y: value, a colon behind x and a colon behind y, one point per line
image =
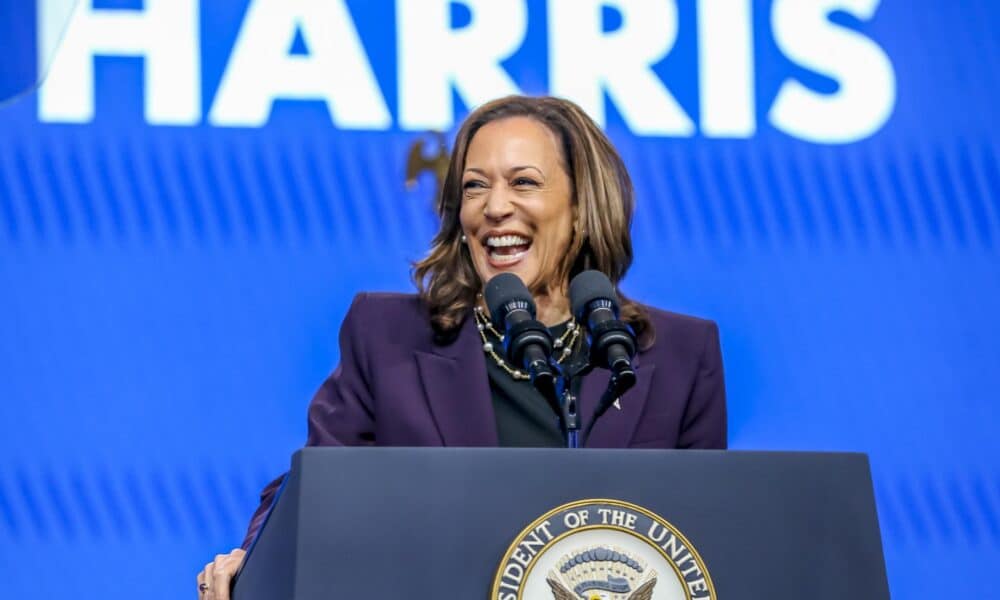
x: 602, y: 197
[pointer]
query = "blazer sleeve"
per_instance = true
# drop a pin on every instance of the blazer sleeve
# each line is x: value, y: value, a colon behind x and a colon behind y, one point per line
x: 704, y: 422
x: 341, y: 412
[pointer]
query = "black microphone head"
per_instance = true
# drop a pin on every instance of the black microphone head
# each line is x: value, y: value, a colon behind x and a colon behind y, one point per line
x: 587, y: 287
x: 504, y: 293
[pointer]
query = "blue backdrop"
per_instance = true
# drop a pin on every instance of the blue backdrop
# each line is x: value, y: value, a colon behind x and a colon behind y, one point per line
x: 171, y: 283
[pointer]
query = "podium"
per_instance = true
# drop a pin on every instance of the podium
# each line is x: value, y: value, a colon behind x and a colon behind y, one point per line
x: 478, y: 523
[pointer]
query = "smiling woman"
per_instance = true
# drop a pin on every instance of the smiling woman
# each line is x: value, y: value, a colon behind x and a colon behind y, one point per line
x: 533, y: 188
x: 517, y: 209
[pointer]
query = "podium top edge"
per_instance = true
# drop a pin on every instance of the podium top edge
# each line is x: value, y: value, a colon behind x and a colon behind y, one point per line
x: 583, y: 451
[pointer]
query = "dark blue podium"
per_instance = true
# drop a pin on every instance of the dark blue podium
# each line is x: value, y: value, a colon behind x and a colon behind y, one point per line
x: 440, y: 523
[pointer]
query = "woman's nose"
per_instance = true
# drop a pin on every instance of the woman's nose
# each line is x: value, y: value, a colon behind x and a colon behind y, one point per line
x: 498, y: 205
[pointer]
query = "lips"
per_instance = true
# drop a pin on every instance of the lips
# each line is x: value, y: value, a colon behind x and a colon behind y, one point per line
x: 505, y: 249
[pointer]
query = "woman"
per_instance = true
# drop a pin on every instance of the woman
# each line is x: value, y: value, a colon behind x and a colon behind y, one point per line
x: 533, y: 188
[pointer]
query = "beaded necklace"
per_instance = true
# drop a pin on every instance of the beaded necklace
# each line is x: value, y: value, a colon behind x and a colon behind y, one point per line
x: 564, y: 344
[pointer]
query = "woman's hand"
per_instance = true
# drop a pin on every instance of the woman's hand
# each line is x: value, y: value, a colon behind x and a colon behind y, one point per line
x: 214, y: 579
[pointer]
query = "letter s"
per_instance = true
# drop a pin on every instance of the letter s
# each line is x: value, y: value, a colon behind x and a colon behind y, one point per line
x: 867, y: 82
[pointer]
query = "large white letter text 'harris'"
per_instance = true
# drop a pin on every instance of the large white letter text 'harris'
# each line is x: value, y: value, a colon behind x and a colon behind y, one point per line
x: 437, y: 61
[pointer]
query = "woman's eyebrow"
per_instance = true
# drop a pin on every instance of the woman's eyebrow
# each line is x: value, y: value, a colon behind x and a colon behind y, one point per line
x: 510, y: 171
x: 523, y: 168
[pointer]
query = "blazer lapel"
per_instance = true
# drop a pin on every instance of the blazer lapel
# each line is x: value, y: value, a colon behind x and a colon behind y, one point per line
x: 616, y: 427
x: 455, y: 383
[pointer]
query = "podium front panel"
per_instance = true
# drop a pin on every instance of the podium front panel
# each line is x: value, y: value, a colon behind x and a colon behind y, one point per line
x: 436, y: 523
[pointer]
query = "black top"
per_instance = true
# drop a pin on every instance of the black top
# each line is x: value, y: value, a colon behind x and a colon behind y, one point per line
x: 524, y: 418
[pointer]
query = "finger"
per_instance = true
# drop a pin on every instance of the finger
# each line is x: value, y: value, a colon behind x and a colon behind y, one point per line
x: 200, y: 580
x: 209, y: 575
x: 237, y: 556
x: 225, y: 566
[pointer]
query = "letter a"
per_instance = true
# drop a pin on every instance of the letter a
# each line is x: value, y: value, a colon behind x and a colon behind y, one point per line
x: 336, y: 69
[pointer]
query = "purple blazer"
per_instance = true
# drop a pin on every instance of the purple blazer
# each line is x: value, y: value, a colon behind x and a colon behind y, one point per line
x: 396, y: 387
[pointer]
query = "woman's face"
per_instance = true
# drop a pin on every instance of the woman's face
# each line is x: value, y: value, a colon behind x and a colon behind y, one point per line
x: 517, y: 207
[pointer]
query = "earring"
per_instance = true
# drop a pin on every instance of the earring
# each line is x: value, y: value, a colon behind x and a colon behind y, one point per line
x: 465, y: 240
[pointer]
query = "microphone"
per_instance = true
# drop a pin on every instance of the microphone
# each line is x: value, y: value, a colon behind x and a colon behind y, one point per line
x: 527, y: 342
x: 612, y: 343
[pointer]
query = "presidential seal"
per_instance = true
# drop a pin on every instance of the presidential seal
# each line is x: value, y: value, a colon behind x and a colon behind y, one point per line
x: 601, y: 550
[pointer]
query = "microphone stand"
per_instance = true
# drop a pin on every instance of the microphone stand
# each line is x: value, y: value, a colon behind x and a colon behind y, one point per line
x: 566, y: 405
x: 567, y: 402
x: 569, y: 411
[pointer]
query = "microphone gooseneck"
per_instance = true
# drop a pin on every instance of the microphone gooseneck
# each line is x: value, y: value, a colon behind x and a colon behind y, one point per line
x: 527, y: 343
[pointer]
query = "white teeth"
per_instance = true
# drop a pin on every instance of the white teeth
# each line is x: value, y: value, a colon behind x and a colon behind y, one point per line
x: 502, y: 259
x: 506, y: 240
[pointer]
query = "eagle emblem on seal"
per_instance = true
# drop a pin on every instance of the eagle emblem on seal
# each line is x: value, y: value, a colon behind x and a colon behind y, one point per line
x: 601, y: 573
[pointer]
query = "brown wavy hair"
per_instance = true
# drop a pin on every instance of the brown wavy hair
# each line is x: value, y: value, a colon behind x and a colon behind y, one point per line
x: 603, y: 204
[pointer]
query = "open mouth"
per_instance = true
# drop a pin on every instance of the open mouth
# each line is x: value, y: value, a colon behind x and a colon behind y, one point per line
x: 505, y: 250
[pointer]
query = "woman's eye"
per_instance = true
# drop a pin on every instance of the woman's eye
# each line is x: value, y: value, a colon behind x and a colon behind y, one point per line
x: 472, y: 184
x: 524, y: 181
